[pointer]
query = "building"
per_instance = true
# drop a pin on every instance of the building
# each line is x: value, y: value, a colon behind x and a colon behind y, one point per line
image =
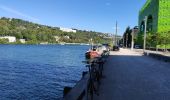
x: 68, y: 30
x: 22, y: 40
x: 66, y: 37
x: 158, y: 16
x: 10, y: 38
x: 57, y: 38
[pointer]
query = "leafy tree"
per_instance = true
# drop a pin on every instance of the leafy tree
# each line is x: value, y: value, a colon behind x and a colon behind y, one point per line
x: 3, y: 41
x: 33, y: 32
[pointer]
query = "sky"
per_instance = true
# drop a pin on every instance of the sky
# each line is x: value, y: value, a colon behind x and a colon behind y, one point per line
x: 94, y: 15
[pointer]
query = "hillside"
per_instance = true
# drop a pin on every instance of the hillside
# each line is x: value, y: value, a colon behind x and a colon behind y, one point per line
x: 35, y: 33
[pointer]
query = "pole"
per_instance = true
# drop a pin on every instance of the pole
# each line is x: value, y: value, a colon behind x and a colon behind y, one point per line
x: 91, y: 40
x: 165, y: 41
x: 116, y: 34
x: 123, y: 41
x: 132, y: 42
x: 113, y: 38
x: 126, y: 40
x: 144, y: 43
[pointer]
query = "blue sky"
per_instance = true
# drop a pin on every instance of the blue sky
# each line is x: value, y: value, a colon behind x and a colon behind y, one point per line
x: 96, y: 15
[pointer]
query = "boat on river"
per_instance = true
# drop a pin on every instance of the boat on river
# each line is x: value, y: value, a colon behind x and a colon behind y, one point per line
x: 97, y: 51
x: 93, y: 52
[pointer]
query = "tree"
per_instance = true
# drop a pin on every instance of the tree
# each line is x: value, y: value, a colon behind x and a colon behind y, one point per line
x: 3, y: 41
x: 41, y: 33
x: 127, y: 37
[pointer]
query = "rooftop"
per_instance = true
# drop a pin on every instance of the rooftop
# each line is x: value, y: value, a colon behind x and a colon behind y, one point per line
x: 145, y: 6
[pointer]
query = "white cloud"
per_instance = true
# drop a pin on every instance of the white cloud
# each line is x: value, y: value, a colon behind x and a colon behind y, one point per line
x: 7, y: 9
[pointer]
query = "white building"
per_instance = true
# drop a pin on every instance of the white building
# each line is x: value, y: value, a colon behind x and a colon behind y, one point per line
x: 10, y: 38
x: 22, y: 40
x: 68, y: 30
x: 57, y: 38
x: 67, y: 37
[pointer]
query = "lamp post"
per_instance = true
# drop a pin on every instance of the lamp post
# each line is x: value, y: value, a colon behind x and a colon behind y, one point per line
x: 116, y: 35
x: 123, y: 41
x: 126, y: 40
x: 113, y: 38
x: 132, y: 42
x: 144, y: 42
x: 91, y: 41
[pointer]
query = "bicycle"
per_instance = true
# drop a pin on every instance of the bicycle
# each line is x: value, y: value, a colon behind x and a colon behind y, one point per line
x: 92, y: 87
x: 101, y: 64
x: 95, y: 68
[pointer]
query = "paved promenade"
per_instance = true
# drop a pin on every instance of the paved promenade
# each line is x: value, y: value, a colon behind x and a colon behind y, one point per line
x: 131, y: 76
x: 154, y: 52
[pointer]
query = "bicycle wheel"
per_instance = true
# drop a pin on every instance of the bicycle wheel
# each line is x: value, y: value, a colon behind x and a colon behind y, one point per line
x: 90, y: 90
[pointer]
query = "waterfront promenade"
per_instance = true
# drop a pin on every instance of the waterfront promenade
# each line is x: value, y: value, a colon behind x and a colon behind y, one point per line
x: 128, y: 75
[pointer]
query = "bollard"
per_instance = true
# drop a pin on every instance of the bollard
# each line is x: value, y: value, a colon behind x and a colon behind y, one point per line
x: 84, y: 73
x: 66, y: 91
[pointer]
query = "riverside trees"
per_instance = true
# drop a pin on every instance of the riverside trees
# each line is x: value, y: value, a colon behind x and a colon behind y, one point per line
x: 36, y: 33
x: 153, y: 40
x: 156, y: 40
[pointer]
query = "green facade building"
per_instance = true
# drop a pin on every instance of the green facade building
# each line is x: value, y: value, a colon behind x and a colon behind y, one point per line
x: 158, y: 16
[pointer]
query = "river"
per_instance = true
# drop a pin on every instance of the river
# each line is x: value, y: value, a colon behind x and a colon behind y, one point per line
x: 39, y: 72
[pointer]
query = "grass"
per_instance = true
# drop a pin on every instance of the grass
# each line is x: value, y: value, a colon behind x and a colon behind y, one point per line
x: 162, y: 46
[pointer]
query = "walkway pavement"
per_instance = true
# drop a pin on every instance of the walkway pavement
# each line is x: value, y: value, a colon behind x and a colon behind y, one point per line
x: 129, y: 75
x: 154, y: 52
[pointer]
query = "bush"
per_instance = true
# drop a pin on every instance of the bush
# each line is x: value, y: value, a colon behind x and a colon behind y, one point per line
x: 3, y: 41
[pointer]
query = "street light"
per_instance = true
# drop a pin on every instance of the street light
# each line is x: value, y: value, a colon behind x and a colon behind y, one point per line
x: 144, y: 43
x: 132, y: 42
x: 115, y: 35
x: 127, y: 40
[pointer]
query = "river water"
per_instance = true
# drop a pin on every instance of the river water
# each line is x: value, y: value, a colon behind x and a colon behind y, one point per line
x: 39, y: 72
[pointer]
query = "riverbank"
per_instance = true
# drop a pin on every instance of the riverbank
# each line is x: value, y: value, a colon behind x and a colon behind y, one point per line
x: 44, y: 43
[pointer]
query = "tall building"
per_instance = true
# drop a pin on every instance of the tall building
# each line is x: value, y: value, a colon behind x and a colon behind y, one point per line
x: 158, y: 16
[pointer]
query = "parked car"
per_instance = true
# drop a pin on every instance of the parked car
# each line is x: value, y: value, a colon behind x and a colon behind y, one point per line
x: 115, y: 48
x: 138, y: 47
x: 106, y: 47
